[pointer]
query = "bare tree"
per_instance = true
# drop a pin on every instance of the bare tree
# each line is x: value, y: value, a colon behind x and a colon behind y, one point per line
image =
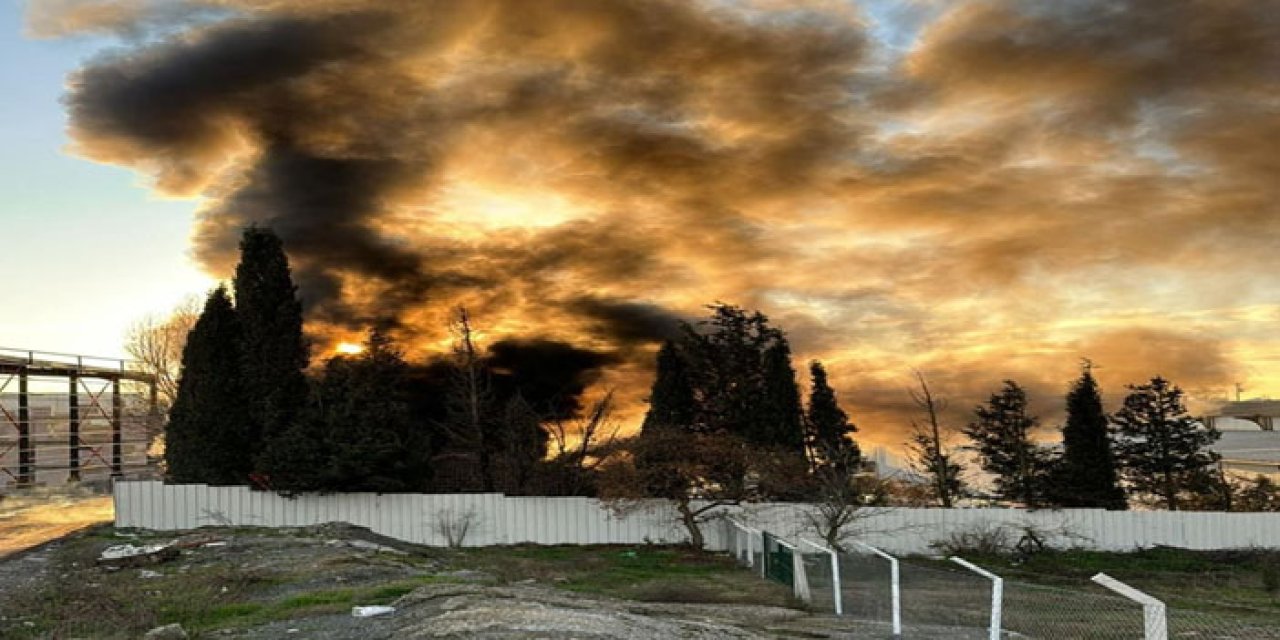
x: 471, y: 422
x: 582, y: 444
x: 156, y: 342
x: 842, y: 495
x: 928, y: 450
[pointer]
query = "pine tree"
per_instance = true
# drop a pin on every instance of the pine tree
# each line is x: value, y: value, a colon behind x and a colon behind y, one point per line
x: 1002, y: 438
x: 206, y: 439
x: 273, y: 351
x: 1160, y: 449
x: 830, y: 431
x: 1086, y: 474
x: 671, y: 402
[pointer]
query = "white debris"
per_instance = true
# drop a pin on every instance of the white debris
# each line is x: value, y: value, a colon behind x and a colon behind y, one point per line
x: 147, y: 573
x: 121, y: 551
x: 371, y: 611
x: 373, y: 546
x: 220, y: 543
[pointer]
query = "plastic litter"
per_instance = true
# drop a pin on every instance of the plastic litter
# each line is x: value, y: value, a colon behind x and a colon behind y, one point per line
x: 371, y: 611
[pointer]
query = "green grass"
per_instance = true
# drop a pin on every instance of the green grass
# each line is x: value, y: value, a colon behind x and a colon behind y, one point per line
x: 649, y: 573
x: 1230, y: 583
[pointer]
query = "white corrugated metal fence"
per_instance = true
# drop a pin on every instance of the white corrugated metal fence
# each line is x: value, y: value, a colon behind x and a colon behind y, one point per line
x: 498, y: 519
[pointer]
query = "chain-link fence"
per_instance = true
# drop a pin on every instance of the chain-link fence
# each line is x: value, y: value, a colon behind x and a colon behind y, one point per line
x: 1243, y: 624
x: 936, y: 599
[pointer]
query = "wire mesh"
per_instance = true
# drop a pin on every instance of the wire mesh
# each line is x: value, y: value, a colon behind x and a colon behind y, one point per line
x: 1242, y: 624
x: 941, y: 598
x: 818, y: 575
x: 1038, y: 611
x: 865, y: 584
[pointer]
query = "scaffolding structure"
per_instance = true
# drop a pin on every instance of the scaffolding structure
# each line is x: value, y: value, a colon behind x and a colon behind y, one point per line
x: 72, y: 417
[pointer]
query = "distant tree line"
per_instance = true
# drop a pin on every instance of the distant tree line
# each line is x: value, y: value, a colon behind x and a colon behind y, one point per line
x: 726, y: 422
x: 1150, y: 451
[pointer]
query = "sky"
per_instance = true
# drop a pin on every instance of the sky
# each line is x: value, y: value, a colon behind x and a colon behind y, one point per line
x: 977, y: 190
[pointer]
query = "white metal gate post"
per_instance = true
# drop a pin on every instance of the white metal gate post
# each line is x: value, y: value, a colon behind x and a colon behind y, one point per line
x: 895, y: 591
x: 1155, y: 621
x: 997, y: 593
x: 836, y: 596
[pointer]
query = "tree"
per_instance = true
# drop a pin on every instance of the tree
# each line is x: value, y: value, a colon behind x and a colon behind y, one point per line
x: 839, y: 494
x: 156, y: 342
x: 830, y: 432
x: 929, y: 451
x: 1002, y: 437
x: 671, y: 402
x: 698, y: 473
x: 472, y: 422
x: 731, y: 374
x: 581, y: 446
x: 1259, y: 494
x: 207, y: 436
x: 273, y: 351
x: 1086, y: 474
x: 780, y: 418
x: 1161, y: 451
x: 524, y: 444
x: 372, y: 443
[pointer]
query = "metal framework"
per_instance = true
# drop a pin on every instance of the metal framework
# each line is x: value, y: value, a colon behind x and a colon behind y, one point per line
x: 87, y: 425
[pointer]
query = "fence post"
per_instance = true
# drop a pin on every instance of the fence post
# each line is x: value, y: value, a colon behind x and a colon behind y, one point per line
x: 895, y: 591
x: 997, y: 593
x: 1155, y: 623
x: 836, y: 596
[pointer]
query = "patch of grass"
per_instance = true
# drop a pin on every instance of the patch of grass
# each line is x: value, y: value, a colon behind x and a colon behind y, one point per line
x: 647, y: 573
x: 1225, y: 581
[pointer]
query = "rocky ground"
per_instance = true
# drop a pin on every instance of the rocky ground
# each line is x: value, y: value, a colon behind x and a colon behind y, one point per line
x: 304, y: 583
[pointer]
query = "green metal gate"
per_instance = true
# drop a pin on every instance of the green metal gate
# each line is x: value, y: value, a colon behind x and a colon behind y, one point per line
x: 778, y: 563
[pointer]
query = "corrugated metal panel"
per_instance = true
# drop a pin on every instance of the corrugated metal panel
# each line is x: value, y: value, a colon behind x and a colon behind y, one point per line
x: 498, y: 519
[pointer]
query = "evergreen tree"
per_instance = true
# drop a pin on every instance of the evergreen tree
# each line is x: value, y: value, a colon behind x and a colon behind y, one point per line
x: 1086, y: 474
x: 373, y: 444
x: 206, y: 439
x: 1002, y: 438
x: 273, y: 351
x: 830, y: 431
x: 731, y: 378
x: 671, y: 402
x: 725, y: 357
x: 297, y: 459
x: 1160, y: 449
x: 524, y: 443
x: 779, y: 421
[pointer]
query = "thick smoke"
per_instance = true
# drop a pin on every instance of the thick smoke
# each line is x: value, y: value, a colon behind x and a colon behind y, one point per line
x: 981, y: 189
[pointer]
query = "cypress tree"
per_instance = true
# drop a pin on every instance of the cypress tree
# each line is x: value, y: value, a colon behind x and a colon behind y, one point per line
x: 207, y: 439
x: 779, y: 421
x: 829, y: 427
x: 1086, y: 474
x: 273, y: 351
x: 1002, y: 438
x: 671, y: 402
x: 1161, y: 450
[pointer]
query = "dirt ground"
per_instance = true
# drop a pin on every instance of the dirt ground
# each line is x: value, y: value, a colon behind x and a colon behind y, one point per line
x: 277, y: 583
x: 33, y: 517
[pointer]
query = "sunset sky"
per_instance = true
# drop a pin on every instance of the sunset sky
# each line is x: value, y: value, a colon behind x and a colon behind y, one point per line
x: 979, y: 190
